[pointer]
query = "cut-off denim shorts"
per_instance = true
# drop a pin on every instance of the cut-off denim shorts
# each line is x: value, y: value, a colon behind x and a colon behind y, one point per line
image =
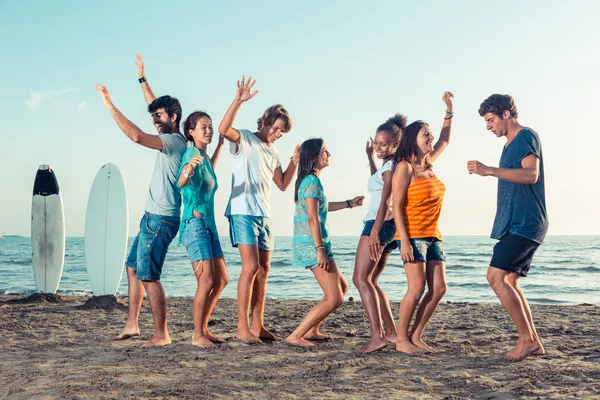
x: 427, y: 249
x: 200, y: 241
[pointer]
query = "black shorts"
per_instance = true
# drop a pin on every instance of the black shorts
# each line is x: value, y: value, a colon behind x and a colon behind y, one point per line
x: 514, y: 253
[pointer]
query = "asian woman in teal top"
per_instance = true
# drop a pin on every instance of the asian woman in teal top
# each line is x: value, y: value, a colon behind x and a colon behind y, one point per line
x: 311, y: 244
x: 198, y: 231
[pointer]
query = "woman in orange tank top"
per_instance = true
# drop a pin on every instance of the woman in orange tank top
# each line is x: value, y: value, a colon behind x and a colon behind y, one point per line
x: 417, y: 195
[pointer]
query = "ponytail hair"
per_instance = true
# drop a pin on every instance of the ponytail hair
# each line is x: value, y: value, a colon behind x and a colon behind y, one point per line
x: 190, y: 123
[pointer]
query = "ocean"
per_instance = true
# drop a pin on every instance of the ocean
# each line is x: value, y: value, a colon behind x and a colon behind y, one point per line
x: 565, y: 270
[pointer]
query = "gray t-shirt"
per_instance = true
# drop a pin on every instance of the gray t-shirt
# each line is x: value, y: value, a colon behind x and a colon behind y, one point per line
x: 521, y: 208
x: 164, y: 197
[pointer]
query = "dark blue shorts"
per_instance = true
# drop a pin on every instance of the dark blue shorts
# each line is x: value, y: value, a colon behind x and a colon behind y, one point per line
x: 386, y: 234
x: 200, y: 242
x: 514, y: 253
x: 150, y: 246
x: 427, y: 249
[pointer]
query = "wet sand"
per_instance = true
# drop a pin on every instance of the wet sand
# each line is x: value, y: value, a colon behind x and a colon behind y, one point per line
x: 65, y: 352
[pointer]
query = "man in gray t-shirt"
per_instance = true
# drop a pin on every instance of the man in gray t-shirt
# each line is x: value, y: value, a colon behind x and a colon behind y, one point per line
x: 521, y: 221
x: 160, y: 222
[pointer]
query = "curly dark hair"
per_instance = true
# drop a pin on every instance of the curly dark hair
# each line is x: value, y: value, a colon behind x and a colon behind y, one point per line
x: 274, y: 113
x: 394, y: 127
x: 407, y: 149
x: 497, y: 104
x: 190, y: 123
x: 170, y: 104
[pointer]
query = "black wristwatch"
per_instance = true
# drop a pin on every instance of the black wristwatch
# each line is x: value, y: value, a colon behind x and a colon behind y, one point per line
x: 142, y: 79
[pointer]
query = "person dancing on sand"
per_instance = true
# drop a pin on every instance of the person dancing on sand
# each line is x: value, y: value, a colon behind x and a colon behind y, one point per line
x: 256, y: 164
x: 160, y: 222
x: 417, y: 203
x: 521, y: 220
x: 311, y: 244
x: 377, y: 238
x: 198, y: 229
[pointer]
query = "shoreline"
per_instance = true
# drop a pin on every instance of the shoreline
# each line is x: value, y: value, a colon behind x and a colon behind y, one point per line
x: 63, y: 351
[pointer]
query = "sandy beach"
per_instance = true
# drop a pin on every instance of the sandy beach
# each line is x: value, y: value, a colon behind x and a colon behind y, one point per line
x: 65, y: 352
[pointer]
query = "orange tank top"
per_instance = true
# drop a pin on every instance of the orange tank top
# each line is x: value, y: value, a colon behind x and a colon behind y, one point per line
x: 423, y: 206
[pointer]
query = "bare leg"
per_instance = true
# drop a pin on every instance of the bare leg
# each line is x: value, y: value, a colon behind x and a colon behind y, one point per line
x: 158, y: 305
x: 259, y: 297
x: 511, y: 301
x: 416, y: 277
x: 362, y: 278
x: 436, y: 288
x: 513, y: 279
x: 384, y: 304
x: 221, y: 279
x: 331, y: 283
x: 315, y: 334
x: 249, y: 255
x: 204, y: 272
x: 136, y: 296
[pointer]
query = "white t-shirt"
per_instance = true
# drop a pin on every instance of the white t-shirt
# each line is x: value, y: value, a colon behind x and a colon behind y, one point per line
x: 375, y: 187
x: 254, y: 164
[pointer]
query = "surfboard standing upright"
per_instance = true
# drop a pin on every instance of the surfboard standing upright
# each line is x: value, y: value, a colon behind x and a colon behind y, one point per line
x: 47, y: 231
x: 106, y: 230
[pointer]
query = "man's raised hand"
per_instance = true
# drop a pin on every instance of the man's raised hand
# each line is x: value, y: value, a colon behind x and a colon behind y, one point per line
x: 243, y: 92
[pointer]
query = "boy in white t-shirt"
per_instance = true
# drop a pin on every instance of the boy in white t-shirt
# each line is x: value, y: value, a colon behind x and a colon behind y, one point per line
x: 256, y: 164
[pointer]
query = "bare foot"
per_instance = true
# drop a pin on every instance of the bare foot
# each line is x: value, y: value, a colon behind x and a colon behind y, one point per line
x: 265, y: 335
x: 391, y: 337
x: 521, y: 351
x: 376, y: 343
x: 248, y: 338
x: 407, y: 347
x: 128, y: 333
x: 421, y: 344
x: 317, y: 336
x: 540, y: 352
x: 298, y: 342
x: 158, y: 341
x: 203, y: 342
x: 214, y: 338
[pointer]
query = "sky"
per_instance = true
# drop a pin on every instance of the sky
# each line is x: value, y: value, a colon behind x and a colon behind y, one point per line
x: 340, y: 67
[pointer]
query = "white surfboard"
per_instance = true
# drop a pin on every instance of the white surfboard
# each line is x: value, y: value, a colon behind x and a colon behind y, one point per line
x: 47, y: 231
x: 106, y: 230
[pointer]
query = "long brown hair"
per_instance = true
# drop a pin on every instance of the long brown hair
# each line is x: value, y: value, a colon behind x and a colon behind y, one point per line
x: 407, y: 149
x: 310, y: 151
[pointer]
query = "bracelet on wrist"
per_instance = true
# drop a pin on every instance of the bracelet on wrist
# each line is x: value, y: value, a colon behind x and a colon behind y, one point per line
x: 320, y: 247
x: 142, y: 79
x: 348, y: 205
x: 449, y: 117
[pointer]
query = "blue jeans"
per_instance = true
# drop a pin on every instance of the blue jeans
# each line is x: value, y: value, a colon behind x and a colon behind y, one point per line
x: 151, y: 244
x: 427, y: 249
x: 200, y: 242
x: 386, y: 233
x: 251, y: 230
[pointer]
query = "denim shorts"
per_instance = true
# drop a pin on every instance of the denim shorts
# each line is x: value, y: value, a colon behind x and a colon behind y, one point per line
x: 150, y: 246
x: 200, y: 241
x: 386, y: 234
x: 251, y: 230
x: 514, y: 253
x: 427, y: 249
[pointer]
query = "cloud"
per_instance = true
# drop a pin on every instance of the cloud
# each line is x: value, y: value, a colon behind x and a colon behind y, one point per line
x: 34, y: 100
x: 82, y: 105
